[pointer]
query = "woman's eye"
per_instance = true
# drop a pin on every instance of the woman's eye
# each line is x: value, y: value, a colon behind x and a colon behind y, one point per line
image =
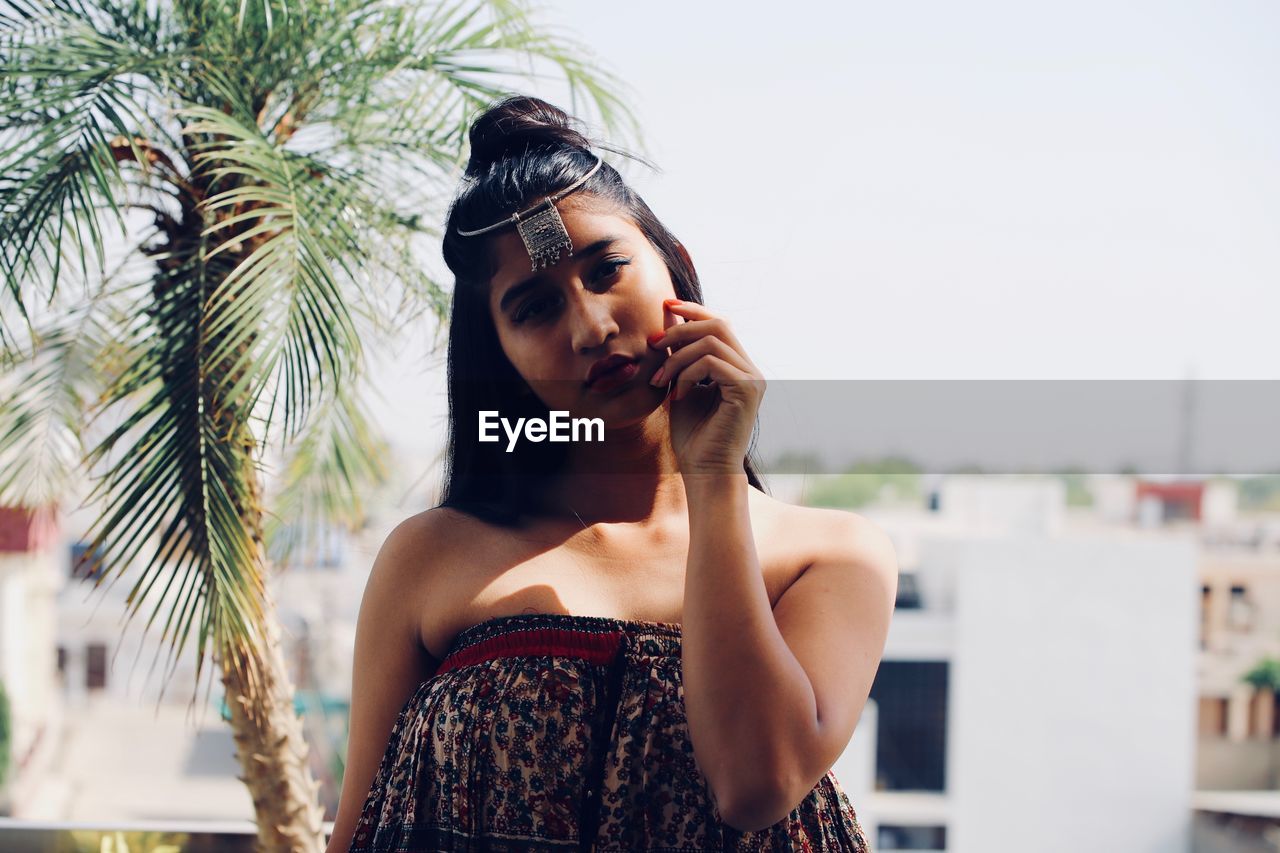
x: 526, y: 310
x: 611, y: 266
x: 606, y: 270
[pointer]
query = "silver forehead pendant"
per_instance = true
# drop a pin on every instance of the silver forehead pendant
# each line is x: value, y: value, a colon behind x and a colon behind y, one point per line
x: 544, y: 235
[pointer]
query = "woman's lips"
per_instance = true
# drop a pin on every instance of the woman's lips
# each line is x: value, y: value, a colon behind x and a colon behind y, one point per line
x: 611, y: 379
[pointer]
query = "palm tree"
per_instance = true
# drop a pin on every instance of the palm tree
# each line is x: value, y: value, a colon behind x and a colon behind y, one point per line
x: 288, y: 160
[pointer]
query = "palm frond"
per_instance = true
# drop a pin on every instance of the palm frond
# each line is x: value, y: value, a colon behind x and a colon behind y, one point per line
x: 453, y: 52
x: 73, y: 103
x: 39, y: 425
x: 283, y: 306
x: 179, y: 484
x: 339, y: 458
x: 404, y: 84
x: 45, y: 390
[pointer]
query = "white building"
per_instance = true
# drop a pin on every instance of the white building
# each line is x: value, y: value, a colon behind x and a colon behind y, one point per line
x: 1038, y: 687
x: 29, y: 581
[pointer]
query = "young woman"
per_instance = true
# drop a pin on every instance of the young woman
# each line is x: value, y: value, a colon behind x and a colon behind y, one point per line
x: 620, y: 644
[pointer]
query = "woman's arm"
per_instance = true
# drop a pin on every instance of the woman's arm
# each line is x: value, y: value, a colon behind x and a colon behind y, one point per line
x: 772, y: 695
x: 390, y: 661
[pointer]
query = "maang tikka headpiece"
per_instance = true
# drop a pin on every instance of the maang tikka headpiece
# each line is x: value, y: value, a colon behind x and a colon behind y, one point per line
x: 543, y: 233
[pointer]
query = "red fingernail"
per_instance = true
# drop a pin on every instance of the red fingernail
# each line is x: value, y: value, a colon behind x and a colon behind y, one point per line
x: 669, y: 302
x: 655, y: 337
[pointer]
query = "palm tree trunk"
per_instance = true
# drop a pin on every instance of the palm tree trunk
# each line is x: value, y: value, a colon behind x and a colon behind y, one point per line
x: 268, y: 733
x: 271, y: 747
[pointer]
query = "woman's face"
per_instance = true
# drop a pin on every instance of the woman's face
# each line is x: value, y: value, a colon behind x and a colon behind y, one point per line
x: 605, y: 299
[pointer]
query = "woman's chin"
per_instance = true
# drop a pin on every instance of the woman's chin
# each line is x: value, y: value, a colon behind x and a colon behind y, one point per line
x: 630, y: 406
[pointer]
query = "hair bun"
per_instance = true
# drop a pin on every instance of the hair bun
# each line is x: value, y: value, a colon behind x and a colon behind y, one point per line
x: 516, y: 123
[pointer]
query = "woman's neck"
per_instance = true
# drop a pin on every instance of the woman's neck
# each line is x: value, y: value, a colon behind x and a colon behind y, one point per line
x: 638, y: 499
x: 631, y: 477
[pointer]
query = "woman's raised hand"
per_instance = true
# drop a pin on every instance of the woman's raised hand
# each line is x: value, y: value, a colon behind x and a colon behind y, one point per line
x: 717, y: 390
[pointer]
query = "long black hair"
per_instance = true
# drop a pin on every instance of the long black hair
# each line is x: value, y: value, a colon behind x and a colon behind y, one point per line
x: 522, y: 149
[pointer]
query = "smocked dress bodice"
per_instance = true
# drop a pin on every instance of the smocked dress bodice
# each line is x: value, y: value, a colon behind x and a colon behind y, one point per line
x: 546, y: 732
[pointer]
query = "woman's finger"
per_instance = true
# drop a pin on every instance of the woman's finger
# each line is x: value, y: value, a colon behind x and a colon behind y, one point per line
x: 712, y: 370
x: 709, y: 345
x: 699, y: 321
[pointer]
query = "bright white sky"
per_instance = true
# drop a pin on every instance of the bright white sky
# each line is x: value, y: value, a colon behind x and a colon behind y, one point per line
x: 931, y: 190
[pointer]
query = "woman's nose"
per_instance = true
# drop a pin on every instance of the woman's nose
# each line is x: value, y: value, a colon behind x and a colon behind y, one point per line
x: 592, y: 322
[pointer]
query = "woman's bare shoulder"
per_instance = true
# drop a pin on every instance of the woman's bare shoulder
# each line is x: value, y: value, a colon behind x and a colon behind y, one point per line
x: 422, y: 555
x: 847, y: 538
x: 786, y: 513
x: 426, y: 543
x: 443, y: 514
x: 824, y: 529
x: 441, y: 526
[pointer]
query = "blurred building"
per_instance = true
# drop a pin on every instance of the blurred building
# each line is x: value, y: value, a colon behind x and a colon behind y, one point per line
x: 29, y: 582
x: 1237, y: 797
x: 134, y: 736
x: 123, y: 745
x: 1038, y: 688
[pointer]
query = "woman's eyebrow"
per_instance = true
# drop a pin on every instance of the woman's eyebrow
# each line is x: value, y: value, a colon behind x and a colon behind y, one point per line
x: 515, y: 290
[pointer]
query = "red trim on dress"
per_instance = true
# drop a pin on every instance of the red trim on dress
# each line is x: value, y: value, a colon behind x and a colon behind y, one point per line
x: 596, y: 647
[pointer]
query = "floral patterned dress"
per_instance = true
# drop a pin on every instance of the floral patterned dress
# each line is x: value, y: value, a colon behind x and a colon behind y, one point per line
x: 555, y: 732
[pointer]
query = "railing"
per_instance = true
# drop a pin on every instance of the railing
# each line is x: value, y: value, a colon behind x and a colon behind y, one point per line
x: 132, y: 837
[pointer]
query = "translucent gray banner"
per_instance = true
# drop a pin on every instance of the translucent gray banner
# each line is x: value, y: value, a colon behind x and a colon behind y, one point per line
x: 1024, y: 426
x: 1194, y: 427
